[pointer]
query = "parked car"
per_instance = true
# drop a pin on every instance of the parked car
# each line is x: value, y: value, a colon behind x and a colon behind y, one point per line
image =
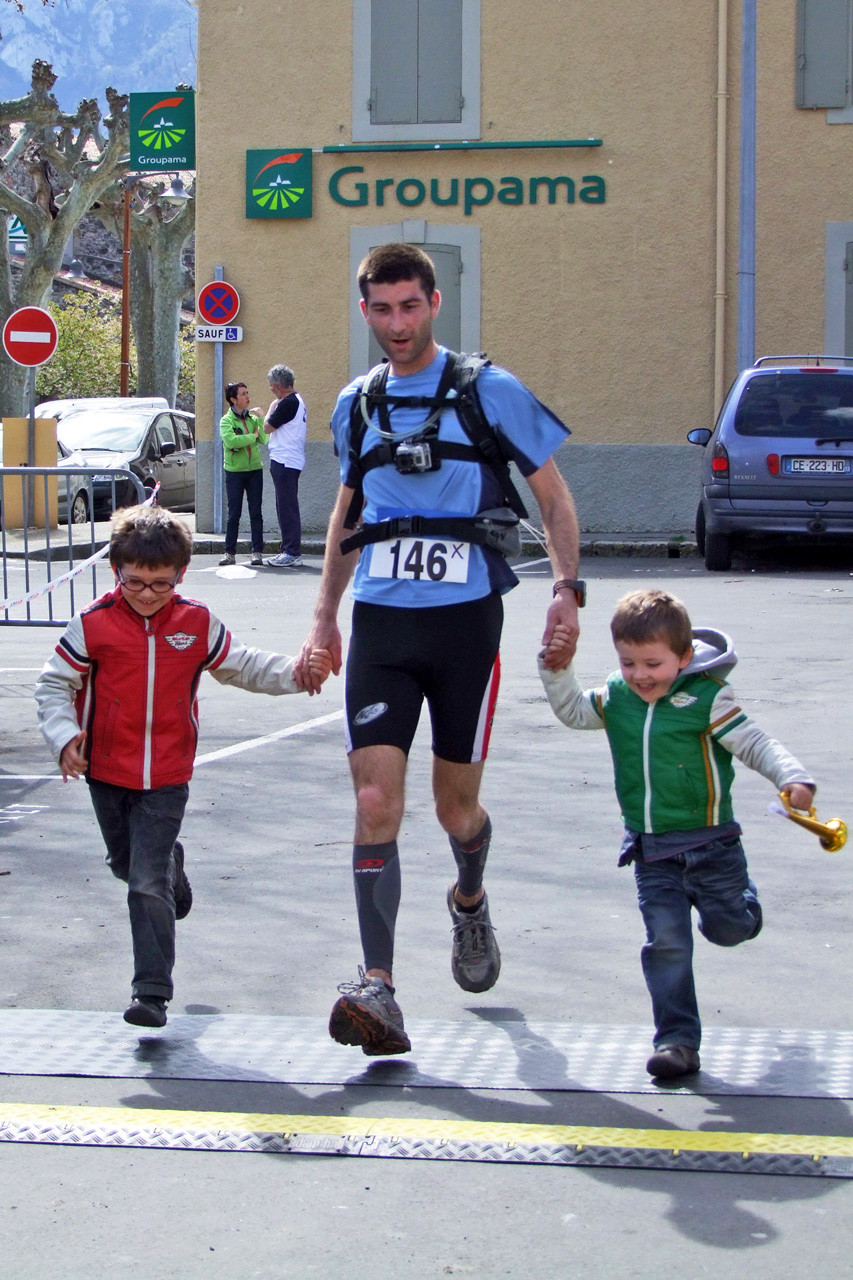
x: 779, y: 461
x: 157, y: 445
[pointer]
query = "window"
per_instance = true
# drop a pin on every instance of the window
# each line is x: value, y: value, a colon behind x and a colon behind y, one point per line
x: 416, y: 69
x: 165, y: 430
x: 824, y: 55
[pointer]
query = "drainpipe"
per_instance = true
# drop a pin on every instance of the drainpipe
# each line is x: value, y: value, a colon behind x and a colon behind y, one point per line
x: 746, y: 242
x: 720, y: 282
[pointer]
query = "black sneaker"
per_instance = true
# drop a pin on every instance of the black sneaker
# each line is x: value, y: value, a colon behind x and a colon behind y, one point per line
x: 368, y: 1015
x: 475, y: 958
x: 146, y: 1011
x: 673, y: 1060
x: 181, y: 886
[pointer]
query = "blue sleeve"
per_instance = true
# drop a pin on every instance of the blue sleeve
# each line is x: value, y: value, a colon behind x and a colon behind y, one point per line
x: 531, y: 431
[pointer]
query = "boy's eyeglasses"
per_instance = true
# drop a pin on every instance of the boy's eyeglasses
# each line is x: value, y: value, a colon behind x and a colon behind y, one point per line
x: 135, y: 585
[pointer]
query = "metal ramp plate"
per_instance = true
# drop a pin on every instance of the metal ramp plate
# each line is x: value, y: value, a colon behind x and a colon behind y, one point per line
x: 421, y: 1139
x: 469, y: 1055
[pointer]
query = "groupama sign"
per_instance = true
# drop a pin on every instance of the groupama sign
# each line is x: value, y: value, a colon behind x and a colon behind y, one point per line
x: 162, y: 131
x: 469, y: 193
x: 278, y: 185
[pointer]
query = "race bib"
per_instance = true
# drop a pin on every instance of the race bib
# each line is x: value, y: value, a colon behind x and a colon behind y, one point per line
x: 420, y: 560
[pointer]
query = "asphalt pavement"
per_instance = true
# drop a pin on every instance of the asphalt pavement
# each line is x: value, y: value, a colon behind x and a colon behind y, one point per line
x: 272, y: 932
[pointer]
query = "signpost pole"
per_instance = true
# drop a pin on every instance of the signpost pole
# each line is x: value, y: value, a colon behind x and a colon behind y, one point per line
x: 30, y: 492
x: 218, y: 452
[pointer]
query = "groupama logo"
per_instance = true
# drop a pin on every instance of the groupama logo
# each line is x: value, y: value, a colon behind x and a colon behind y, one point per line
x: 161, y: 134
x: 278, y: 184
x: 162, y: 130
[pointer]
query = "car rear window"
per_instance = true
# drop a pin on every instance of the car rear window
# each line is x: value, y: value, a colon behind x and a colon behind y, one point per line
x: 797, y: 404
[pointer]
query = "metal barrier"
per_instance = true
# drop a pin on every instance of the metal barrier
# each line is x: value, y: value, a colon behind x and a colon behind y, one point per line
x: 22, y: 547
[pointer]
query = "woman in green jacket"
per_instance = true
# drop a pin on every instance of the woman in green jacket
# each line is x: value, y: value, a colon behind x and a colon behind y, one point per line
x: 242, y: 434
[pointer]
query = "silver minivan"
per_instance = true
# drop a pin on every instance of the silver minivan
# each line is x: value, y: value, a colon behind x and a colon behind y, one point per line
x: 780, y: 459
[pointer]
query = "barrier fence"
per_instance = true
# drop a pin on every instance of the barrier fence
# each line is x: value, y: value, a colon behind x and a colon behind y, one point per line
x: 49, y: 538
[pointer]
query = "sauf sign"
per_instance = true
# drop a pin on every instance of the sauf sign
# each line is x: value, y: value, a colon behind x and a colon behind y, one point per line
x: 469, y: 193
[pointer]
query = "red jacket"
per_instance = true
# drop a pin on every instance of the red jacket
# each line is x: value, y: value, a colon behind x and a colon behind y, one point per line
x: 131, y: 682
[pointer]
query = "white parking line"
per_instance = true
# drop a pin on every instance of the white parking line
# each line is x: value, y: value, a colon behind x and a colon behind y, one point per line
x: 250, y: 743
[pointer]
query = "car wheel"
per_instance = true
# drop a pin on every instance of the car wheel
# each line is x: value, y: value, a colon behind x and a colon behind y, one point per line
x: 718, y: 551
x: 700, y: 529
x: 80, y: 509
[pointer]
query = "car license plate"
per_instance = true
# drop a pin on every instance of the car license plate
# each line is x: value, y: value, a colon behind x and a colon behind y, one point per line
x: 820, y: 466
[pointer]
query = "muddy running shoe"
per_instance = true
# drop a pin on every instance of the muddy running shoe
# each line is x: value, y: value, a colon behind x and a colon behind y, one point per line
x: 146, y: 1011
x: 181, y: 886
x: 368, y: 1015
x: 475, y: 958
x: 673, y: 1060
x: 228, y: 558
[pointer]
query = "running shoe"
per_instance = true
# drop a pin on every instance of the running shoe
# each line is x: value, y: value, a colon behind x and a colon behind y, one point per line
x: 368, y: 1015
x: 475, y: 958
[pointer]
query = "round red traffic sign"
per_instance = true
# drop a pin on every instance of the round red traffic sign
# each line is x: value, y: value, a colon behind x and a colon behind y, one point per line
x: 218, y: 302
x: 29, y: 336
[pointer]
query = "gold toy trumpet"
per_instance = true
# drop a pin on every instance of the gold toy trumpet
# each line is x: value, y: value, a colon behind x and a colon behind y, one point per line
x: 832, y: 834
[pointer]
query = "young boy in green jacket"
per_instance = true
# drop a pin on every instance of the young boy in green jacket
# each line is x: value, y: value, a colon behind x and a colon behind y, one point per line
x: 673, y: 725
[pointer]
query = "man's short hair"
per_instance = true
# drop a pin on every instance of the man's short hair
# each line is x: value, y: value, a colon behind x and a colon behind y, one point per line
x: 391, y: 263
x: 644, y: 616
x: 231, y: 391
x: 149, y: 536
x: 281, y: 375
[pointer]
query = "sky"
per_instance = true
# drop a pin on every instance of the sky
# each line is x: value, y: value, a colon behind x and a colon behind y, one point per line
x: 133, y: 46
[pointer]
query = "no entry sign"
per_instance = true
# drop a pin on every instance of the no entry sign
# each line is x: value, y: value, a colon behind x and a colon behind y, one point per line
x: 218, y: 302
x: 29, y: 336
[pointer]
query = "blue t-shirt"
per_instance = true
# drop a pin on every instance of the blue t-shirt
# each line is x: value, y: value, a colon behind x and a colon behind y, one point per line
x: 430, y: 571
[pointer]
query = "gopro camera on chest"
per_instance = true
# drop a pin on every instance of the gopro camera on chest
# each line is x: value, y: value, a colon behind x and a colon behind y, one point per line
x: 410, y: 457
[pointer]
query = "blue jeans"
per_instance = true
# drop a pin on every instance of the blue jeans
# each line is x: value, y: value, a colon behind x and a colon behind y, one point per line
x: 286, y: 484
x: 140, y: 829
x: 712, y: 878
x: 252, y: 484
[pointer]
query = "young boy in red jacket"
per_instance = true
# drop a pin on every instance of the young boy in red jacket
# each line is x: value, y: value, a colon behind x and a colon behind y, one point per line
x: 117, y: 703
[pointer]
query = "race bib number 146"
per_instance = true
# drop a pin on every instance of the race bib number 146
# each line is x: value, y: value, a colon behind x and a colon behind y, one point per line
x: 420, y: 560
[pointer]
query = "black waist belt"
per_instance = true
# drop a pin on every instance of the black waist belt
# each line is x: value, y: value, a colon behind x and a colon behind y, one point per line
x: 498, y: 530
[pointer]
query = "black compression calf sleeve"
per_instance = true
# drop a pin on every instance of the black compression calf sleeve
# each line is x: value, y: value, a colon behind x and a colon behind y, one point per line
x: 471, y: 860
x: 376, y: 872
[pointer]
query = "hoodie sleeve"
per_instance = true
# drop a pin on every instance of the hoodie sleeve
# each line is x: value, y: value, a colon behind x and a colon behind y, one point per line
x: 61, y: 679
x: 576, y: 708
x: 734, y: 730
x: 230, y: 662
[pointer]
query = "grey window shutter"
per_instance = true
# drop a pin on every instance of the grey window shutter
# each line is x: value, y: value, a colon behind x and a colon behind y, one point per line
x: 823, y: 53
x: 394, y: 62
x: 440, y: 61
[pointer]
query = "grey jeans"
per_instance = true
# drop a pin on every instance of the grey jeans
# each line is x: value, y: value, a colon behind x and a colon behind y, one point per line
x: 140, y: 829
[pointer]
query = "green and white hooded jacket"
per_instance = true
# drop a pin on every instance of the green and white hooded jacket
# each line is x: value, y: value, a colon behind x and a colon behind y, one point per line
x: 673, y: 758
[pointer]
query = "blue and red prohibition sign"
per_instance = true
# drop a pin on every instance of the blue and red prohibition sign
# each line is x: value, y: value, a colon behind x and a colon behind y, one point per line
x: 218, y: 302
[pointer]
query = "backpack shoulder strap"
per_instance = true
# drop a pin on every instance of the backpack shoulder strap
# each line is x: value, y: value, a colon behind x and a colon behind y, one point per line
x: 477, y: 427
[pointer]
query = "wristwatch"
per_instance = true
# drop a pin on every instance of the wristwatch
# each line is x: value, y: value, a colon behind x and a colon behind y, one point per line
x: 572, y: 584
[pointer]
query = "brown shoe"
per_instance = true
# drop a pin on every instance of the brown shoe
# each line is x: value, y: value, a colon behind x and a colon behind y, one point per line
x: 673, y: 1060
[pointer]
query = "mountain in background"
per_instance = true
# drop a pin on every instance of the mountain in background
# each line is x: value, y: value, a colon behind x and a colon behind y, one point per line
x: 133, y: 46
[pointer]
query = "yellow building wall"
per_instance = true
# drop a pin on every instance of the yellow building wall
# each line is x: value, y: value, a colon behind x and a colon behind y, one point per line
x: 607, y: 311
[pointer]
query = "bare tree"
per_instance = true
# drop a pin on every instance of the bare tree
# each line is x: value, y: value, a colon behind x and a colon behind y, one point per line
x: 71, y: 159
x: 158, y: 278
x: 74, y: 165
